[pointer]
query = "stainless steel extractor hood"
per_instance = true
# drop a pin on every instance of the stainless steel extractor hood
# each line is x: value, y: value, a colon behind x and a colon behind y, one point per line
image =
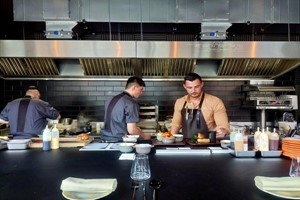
x: 64, y: 59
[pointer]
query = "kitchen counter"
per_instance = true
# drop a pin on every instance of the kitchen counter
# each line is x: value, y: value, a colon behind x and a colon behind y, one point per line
x: 34, y: 174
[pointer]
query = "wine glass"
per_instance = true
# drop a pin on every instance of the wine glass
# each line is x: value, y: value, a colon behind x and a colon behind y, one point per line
x: 140, y: 170
x: 295, y: 167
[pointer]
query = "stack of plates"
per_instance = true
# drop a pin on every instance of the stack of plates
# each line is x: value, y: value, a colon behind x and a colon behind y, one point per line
x: 291, y: 147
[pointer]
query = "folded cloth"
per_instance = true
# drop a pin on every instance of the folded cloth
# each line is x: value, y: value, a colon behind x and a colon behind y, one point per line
x: 88, y: 185
x: 277, y: 183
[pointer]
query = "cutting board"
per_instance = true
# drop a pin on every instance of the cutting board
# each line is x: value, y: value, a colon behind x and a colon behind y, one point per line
x: 63, y: 142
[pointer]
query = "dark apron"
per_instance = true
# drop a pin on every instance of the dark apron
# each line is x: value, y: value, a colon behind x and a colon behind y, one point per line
x: 193, y: 121
x: 110, y: 107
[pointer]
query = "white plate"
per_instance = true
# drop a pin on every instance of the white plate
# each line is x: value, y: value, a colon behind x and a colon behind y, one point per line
x: 283, y: 194
x: 86, y: 196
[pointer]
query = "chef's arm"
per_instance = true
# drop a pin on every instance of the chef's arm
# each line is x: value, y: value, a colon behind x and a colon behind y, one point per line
x: 133, y: 129
x: 175, y: 129
x: 3, y: 121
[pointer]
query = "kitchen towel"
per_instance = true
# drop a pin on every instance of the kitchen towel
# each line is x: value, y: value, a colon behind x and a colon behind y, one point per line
x: 88, y: 185
x: 286, y: 187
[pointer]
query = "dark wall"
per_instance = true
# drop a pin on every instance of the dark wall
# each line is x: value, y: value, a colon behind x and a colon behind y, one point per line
x: 73, y: 97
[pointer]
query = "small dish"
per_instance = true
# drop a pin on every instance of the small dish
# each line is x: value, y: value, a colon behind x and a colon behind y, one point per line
x: 129, y: 139
x: 178, y: 137
x: 225, y: 144
x: 126, y: 147
x: 86, y: 196
x: 169, y: 140
x: 133, y: 136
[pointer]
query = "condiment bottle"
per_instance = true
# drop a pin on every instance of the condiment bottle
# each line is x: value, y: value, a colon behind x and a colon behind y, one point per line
x: 238, y: 141
x: 264, y: 141
x: 54, y: 137
x: 245, y: 141
x: 274, y: 141
x: 256, y: 139
x: 232, y: 134
x: 46, y: 139
x: 268, y: 132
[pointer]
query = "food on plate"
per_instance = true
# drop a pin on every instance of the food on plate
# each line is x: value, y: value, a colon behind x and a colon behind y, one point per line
x: 83, y: 136
x: 200, y: 138
x: 166, y: 134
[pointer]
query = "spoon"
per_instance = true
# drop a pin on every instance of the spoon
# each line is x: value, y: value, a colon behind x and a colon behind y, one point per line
x: 155, y: 184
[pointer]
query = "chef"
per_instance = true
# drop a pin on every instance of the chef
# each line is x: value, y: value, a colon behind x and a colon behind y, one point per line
x: 27, y: 116
x: 199, y: 112
x: 122, y: 112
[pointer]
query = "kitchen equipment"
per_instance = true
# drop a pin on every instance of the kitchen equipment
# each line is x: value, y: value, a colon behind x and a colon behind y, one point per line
x: 148, y: 118
x: 70, y: 141
x: 155, y: 184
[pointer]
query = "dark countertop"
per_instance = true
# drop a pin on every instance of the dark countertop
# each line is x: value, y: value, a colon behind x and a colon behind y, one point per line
x: 34, y: 174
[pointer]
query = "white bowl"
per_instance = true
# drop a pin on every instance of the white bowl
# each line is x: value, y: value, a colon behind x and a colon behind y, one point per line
x: 168, y: 140
x: 225, y: 144
x: 159, y: 137
x: 143, y: 148
x: 178, y: 137
x: 126, y: 147
x: 133, y: 136
x: 129, y: 139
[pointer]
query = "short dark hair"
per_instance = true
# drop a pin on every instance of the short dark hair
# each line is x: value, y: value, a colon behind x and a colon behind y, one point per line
x: 135, y: 80
x: 192, y: 76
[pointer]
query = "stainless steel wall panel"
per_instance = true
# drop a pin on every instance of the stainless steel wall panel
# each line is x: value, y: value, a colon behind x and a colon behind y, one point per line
x: 217, y: 50
x: 67, y: 49
x: 189, y: 11
x: 95, y: 10
x: 179, y: 11
x: 216, y: 10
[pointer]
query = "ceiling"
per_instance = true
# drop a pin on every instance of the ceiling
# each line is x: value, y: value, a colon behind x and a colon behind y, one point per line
x: 272, y: 26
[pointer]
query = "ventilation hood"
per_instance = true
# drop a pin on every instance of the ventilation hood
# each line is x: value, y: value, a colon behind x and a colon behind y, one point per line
x: 64, y: 59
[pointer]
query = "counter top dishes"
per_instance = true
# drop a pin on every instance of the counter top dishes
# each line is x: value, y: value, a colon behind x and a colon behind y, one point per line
x: 34, y: 174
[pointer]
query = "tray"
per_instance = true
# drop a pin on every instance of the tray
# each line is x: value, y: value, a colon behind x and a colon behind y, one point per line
x: 63, y: 142
x: 242, y: 154
x: 159, y: 143
x: 189, y: 142
x: 270, y: 154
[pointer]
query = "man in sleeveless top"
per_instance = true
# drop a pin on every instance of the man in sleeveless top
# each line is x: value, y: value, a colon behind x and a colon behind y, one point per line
x: 199, y: 112
x: 122, y: 112
x: 27, y: 116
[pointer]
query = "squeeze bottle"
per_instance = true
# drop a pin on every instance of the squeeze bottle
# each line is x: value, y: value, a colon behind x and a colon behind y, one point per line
x: 274, y: 141
x: 46, y: 139
x: 264, y: 141
x: 239, y: 141
x: 256, y: 139
x: 54, y: 138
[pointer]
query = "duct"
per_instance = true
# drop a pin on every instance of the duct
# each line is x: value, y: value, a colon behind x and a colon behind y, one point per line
x: 59, y: 29
x: 214, y: 30
x: 217, y: 60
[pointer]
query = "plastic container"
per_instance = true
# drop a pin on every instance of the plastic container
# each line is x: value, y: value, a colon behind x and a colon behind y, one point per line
x: 46, y: 139
x: 263, y: 141
x: 18, y: 144
x: 256, y: 139
x: 238, y: 141
x: 54, y: 138
x: 273, y: 141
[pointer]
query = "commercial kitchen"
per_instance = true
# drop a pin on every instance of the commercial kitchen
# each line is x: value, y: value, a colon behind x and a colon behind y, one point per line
x: 80, y: 53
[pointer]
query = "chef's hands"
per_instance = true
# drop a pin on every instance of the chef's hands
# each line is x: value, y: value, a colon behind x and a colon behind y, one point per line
x: 221, y: 132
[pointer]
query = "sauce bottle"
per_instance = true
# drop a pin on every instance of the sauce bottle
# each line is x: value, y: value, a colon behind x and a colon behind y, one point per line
x: 245, y: 141
x: 232, y: 134
x: 54, y: 138
x: 46, y: 139
x: 256, y: 139
x: 268, y: 132
x: 274, y: 141
x: 239, y: 141
x: 264, y: 141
